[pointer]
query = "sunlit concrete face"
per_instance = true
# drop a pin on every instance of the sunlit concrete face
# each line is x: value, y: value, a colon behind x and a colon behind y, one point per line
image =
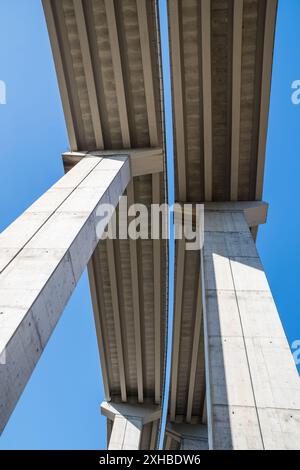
x: 253, y: 387
x: 42, y: 255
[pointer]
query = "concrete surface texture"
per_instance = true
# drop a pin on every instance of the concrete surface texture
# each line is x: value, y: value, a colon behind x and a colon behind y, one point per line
x: 42, y: 256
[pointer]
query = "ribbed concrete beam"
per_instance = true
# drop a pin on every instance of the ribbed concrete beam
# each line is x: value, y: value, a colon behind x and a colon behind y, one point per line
x: 178, y: 97
x: 270, y: 23
x: 89, y: 72
x: 42, y: 256
x: 118, y: 71
x: 60, y: 71
x: 126, y: 433
x: 253, y: 387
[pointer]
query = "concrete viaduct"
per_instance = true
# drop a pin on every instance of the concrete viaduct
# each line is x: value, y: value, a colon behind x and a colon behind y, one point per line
x: 234, y: 384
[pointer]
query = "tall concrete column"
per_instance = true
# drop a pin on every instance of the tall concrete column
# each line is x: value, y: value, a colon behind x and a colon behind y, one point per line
x: 253, y: 387
x: 128, y: 421
x: 188, y: 436
x: 42, y: 256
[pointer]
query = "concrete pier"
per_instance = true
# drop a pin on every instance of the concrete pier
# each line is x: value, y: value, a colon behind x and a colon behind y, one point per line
x: 42, y: 256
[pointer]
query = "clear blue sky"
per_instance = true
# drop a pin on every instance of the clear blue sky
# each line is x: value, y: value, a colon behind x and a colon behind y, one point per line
x: 60, y: 406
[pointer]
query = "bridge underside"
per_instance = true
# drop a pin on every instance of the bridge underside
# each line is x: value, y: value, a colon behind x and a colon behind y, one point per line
x: 233, y: 380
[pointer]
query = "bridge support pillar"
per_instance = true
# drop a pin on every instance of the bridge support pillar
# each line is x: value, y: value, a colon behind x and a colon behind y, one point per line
x: 253, y: 387
x: 42, y: 256
x: 128, y: 421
